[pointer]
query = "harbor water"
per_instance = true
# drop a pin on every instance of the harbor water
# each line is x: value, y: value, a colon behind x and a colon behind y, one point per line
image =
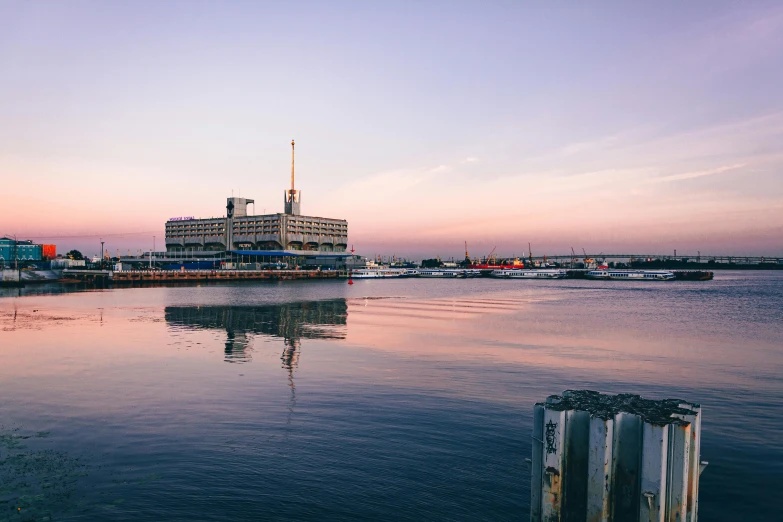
x: 402, y: 399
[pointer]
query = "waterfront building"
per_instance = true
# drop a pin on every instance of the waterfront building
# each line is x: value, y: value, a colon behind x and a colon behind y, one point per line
x: 12, y: 250
x: 286, y: 234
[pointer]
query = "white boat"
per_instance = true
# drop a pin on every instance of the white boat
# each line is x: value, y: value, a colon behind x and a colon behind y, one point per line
x: 379, y: 273
x: 632, y: 275
x: 529, y: 274
x: 439, y: 273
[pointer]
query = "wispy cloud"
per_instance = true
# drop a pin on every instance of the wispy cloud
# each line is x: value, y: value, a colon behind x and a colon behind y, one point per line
x: 697, y: 174
x: 584, y: 146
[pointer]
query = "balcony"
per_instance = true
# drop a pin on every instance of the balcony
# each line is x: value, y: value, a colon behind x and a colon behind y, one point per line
x: 267, y: 237
x: 194, y: 241
x: 214, y: 239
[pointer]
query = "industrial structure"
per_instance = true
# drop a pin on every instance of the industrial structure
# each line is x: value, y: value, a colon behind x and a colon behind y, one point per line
x: 262, y: 237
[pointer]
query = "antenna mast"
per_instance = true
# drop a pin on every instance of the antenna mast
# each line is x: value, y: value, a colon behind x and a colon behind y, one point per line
x: 292, y: 166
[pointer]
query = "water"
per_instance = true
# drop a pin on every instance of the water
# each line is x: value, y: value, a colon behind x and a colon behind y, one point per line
x: 384, y: 400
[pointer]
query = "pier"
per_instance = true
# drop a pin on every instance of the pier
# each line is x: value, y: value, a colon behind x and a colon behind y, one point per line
x: 131, y: 277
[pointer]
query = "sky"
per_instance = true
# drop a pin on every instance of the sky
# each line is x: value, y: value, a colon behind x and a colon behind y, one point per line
x: 637, y: 127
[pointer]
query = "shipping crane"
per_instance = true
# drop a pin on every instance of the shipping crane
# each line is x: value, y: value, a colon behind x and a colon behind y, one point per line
x: 530, y: 254
x: 467, y: 257
x: 489, y: 257
x: 573, y: 257
x: 588, y: 260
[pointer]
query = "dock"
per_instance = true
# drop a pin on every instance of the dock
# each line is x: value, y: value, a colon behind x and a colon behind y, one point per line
x: 141, y: 277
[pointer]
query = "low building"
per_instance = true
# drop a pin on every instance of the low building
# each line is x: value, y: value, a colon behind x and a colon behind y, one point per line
x: 12, y: 250
x: 64, y: 262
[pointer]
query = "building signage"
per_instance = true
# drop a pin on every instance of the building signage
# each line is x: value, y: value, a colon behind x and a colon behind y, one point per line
x: 184, y: 218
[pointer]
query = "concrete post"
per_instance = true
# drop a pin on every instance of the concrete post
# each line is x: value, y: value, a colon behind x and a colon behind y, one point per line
x: 605, y: 458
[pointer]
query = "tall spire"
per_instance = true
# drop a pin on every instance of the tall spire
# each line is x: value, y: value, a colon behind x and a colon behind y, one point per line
x: 292, y: 165
x: 292, y: 195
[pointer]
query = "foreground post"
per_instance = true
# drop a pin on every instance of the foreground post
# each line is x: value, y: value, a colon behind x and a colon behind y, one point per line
x: 615, y: 458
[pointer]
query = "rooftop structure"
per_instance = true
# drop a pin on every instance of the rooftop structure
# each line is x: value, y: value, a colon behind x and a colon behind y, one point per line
x: 292, y: 196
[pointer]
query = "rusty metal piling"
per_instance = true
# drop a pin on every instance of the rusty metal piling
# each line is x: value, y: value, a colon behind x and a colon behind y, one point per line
x: 615, y: 458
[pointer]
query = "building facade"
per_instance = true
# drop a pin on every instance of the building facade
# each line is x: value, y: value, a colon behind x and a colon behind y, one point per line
x: 287, y: 232
x: 13, y: 250
x: 269, y: 232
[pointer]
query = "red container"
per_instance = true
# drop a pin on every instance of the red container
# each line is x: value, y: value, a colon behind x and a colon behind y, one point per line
x: 49, y: 251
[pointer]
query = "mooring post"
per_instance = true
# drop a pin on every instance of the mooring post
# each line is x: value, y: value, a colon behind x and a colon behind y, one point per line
x: 615, y: 458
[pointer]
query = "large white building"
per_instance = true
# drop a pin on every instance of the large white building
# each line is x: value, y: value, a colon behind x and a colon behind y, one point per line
x: 268, y: 235
x: 270, y: 232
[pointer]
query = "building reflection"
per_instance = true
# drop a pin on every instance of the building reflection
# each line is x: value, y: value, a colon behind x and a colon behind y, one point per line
x: 290, y: 322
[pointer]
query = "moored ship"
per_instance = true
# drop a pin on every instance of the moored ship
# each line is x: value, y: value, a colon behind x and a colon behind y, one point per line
x: 529, y: 274
x: 632, y: 275
x: 493, y: 264
x: 440, y: 273
x: 380, y: 273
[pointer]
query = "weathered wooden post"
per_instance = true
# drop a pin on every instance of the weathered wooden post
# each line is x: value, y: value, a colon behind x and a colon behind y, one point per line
x: 615, y: 458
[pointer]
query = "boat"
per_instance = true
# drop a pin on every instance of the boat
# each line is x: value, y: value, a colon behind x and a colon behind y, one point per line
x: 632, y: 275
x: 529, y: 274
x: 380, y: 273
x: 440, y: 273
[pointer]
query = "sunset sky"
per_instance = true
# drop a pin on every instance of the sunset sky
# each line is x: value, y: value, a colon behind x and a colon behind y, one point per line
x: 610, y: 126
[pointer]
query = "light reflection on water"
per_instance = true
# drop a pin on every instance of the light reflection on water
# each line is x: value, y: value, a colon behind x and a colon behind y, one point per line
x: 385, y: 400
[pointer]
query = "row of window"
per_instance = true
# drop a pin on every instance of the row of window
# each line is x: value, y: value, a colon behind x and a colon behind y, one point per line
x: 250, y: 232
x: 201, y: 237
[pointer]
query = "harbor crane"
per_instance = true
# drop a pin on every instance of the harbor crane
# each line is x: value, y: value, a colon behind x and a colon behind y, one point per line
x: 490, y: 254
x: 467, y: 257
x: 588, y: 260
x: 530, y: 254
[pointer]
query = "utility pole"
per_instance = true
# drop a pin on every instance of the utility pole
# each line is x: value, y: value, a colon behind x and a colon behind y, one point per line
x: 101, y: 261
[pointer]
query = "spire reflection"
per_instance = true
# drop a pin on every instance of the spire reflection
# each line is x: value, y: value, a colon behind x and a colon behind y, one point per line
x: 290, y: 322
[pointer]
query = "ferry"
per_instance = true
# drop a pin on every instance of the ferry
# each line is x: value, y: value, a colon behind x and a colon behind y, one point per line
x: 529, y: 274
x: 632, y: 275
x: 381, y: 273
x: 440, y: 273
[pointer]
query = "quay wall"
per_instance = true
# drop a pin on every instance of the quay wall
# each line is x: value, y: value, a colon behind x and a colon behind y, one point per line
x: 9, y: 277
x: 183, y: 276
